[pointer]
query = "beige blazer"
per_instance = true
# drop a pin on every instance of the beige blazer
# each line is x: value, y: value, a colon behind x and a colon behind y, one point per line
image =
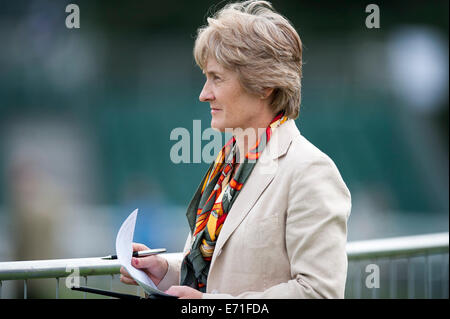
x: 285, y: 235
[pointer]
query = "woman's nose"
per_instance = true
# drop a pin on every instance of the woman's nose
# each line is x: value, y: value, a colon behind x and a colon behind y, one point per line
x: 206, y: 95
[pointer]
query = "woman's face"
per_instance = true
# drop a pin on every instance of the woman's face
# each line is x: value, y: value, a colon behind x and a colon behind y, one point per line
x: 231, y: 106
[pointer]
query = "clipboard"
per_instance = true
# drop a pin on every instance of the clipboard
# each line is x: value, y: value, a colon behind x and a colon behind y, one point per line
x: 121, y: 295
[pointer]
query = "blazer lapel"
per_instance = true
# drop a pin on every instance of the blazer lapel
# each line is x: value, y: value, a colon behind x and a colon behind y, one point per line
x: 248, y: 196
x: 262, y: 175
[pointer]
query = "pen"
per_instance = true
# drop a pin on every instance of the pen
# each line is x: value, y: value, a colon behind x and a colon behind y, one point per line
x: 141, y: 253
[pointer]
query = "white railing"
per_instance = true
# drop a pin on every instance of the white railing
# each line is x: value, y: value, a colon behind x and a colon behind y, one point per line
x: 406, y: 267
x: 398, y: 247
x: 386, y: 255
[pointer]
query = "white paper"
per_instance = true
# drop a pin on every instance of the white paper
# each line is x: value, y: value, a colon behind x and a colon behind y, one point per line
x: 124, y: 251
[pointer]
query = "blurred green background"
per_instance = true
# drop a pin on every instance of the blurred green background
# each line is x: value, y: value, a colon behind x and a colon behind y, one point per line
x: 86, y: 115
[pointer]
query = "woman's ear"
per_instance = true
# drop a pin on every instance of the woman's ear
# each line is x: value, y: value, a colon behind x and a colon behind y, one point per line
x: 267, y: 93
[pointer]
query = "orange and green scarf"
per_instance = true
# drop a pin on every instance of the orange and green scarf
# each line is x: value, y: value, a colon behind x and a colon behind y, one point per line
x: 213, y: 200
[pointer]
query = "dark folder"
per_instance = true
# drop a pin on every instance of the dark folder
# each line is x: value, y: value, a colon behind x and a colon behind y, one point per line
x: 121, y: 295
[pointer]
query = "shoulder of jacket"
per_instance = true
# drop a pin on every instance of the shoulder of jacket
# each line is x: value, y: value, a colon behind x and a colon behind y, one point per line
x: 303, y: 153
x: 304, y: 158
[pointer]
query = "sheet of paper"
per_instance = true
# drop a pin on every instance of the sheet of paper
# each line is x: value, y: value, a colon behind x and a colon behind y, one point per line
x: 124, y: 251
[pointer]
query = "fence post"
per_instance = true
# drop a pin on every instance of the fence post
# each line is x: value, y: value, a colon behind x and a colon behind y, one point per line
x: 25, y: 293
x: 57, y: 288
x: 411, y: 287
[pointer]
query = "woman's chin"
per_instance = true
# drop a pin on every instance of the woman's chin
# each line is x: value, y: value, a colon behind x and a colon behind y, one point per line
x: 216, y: 125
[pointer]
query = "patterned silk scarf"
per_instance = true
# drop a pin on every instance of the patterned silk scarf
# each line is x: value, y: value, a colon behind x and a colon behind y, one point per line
x: 213, y: 200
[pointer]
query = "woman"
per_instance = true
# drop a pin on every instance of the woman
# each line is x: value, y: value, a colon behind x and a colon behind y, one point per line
x: 269, y: 219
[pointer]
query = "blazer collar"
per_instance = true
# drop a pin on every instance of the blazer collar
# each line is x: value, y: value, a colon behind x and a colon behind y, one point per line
x: 282, y: 138
x: 262, y: 175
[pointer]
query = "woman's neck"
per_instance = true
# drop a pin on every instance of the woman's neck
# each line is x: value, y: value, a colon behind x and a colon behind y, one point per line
x: 247, y: 138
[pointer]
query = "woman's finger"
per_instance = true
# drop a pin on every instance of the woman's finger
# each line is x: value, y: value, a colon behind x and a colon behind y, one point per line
x: 124, y: 272
x: 127, y: 280
x: 139, y: 247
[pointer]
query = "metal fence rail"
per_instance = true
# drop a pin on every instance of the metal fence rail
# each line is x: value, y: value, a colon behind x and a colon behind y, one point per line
x: 60, y: 268
x: 57, y: 268
x: 406, y: 267
x: 398, y: 246
x: 385, y: 254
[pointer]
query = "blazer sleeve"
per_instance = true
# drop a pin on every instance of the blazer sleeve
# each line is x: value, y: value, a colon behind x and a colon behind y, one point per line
x: 319, y: 205
x: 172, y: 276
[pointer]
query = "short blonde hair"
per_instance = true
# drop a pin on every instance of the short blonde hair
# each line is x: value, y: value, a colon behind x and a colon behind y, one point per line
x: 261, y: 45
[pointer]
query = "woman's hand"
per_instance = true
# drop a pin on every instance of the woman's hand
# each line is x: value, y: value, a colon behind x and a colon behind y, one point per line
x: 154, y: 266
x: 184, y: 292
